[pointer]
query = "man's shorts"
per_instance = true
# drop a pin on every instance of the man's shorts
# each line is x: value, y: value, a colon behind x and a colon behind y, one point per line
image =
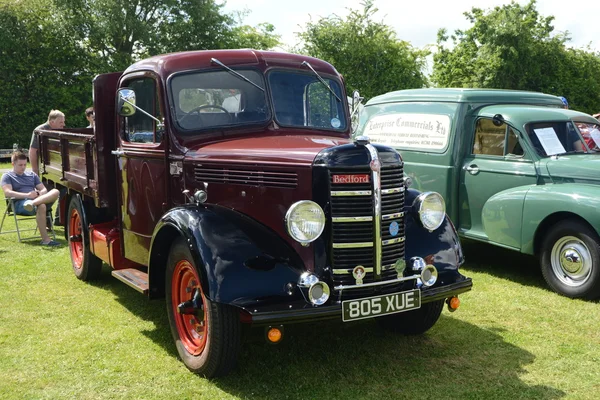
x: 19, y: 210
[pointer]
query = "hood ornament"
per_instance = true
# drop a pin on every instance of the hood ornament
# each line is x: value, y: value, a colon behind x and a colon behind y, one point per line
x: 362, y: 140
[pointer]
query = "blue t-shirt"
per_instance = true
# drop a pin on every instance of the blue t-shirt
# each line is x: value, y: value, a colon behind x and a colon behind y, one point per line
x: 21, y: 183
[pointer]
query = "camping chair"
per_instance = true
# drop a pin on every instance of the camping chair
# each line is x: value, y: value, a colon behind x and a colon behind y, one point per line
x: 10, y: 206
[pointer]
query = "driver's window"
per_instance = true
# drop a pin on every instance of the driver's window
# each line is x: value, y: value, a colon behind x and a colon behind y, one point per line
x: 140, y: 128
x: 495, y: 139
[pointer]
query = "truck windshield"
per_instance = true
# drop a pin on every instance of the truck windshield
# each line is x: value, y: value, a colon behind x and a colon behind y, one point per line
x: 207, y: 100
x: 555, y: 138
x: 590, y: 133
x: 302, y: 100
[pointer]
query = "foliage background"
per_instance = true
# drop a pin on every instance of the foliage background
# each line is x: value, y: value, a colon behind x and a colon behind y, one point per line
x: 50, y: 50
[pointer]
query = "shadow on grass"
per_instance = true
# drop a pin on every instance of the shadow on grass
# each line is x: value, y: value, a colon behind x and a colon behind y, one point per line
x: 455, y: 359
x: 503, y: 263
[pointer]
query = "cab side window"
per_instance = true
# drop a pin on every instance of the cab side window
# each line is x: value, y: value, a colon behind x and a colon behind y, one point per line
x: 140, y: 128
x: 495, y: 140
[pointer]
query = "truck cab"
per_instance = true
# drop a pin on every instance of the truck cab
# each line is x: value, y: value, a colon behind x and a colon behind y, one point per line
x: 516, y: 170
x: 227, y: 182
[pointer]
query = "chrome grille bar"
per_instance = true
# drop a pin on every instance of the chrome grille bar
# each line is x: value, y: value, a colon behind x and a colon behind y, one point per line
x: 376, y: 176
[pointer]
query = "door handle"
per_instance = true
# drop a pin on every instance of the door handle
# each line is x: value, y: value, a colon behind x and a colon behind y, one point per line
x: 117, y: 152
x: 472, y: 169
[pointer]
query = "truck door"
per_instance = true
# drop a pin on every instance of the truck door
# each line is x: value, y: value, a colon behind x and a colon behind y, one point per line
x: 141, y: 169
x: 494, y: 181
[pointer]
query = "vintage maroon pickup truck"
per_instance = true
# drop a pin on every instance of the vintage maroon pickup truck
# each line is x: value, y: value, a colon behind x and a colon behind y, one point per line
x: 226, y: 181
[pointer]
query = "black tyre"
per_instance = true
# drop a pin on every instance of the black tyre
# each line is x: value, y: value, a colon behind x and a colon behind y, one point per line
x: 207, y: 334
x: 570, y: 260
x: 413, y: 322
x: 86, y: 265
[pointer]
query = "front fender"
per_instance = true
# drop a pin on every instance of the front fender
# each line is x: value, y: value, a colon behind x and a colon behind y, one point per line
x: 440, y: 248
x: 241, y: 262
x: 502, y: 216
x: 542, y: 202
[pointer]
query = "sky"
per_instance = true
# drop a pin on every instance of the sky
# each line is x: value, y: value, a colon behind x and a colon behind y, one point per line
x: 417, y: 22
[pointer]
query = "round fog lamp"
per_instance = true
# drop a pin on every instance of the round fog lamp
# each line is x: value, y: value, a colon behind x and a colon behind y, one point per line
x: 318, y: 293
x: 305, y: 221
x: 429, y: 275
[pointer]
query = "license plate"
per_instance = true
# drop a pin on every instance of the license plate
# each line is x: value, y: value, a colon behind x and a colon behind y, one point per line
x: 376, y: 306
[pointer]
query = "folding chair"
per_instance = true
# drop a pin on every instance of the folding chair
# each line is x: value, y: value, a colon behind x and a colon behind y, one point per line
x: 10, y: 206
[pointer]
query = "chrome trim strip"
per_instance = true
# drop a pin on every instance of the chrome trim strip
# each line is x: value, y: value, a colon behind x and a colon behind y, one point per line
x: 343, y: 271
x: 380, y: 283
x: 352, y: 245
x: 392, y: 241
x: 351, y: 219
x: 376, y: 178
x: 392, y: 216
x: 393, y: 190
x: 351, y: 193
x: 389, y: 266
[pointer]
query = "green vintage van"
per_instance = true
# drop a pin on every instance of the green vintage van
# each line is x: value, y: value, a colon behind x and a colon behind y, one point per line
x: 515, y: 169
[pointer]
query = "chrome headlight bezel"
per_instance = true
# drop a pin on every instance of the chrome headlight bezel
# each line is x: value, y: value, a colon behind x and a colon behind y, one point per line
x: 427, y: 216
x: 290, y: 221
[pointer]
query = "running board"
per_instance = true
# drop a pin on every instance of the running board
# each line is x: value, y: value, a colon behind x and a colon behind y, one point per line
x: 133, y: 278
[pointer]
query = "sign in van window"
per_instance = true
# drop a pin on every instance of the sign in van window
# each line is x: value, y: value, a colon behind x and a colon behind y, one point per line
x: 410, y: 131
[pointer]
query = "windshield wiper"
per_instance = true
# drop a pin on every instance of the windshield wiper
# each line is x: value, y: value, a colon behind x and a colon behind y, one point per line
x: 214, y: 60
x: 321, y: 79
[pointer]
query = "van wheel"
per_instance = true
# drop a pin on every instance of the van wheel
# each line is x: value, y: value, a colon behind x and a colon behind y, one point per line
x: 207, y: 334
x: 570, y: 260
x: 86, y: 265
x: 413, y: 322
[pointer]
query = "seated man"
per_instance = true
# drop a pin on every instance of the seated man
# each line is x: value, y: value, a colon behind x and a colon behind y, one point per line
x: 29, y: 193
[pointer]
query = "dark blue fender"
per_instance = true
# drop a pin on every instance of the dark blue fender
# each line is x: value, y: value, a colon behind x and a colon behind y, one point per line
x: 440, y: 248
x: 240, y: 262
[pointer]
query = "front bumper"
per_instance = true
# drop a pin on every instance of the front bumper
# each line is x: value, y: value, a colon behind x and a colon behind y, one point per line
x: 298, y: 312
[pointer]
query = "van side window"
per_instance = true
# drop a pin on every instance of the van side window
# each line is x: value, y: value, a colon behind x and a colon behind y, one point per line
x: 140, y: 128
x: 495, y: 140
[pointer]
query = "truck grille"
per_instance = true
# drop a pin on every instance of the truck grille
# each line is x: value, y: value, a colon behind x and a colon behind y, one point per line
x: 352, y: 214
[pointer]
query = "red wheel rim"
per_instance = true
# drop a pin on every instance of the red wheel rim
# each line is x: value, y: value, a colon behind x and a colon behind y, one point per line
x: 76, y: 246
x: 192, y: 330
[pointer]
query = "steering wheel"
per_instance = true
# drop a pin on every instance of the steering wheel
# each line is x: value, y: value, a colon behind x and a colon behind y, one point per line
x: 202, y: 107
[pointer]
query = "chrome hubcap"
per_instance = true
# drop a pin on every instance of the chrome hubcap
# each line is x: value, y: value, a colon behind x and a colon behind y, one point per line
x: 571, y: 261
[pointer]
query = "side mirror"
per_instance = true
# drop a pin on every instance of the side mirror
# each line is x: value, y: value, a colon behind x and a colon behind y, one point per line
x: 498, y: 120
x: 356, y: 100
x: 126, y: 102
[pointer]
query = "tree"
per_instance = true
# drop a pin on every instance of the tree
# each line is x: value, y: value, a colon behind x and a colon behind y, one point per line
x: 42, y: 68
x: 513, y: 47
x: 121, y: 32
x: 366, y: 52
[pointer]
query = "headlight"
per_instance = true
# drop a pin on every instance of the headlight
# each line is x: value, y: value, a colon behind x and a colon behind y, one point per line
x: 305, y: 221
x: 431, y: 209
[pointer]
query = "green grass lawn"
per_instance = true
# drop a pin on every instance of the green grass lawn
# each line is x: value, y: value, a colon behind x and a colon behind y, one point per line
x: 512, y: 338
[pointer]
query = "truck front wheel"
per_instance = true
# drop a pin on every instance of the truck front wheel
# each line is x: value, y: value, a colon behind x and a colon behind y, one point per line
x: 413, y: 322
x: 86, y: 265
x: 207, y: 334
x: 570, y: 260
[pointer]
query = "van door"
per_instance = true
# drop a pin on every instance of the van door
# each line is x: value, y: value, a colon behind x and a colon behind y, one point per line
x: 141, y: 170
x: 493, y: 182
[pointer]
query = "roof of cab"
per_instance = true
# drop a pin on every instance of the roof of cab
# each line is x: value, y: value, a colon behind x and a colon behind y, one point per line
x: 167, y: 64
x: 519, y: 115
x: 467, y: 96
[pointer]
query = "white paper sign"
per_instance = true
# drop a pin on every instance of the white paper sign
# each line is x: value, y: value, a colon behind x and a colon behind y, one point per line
x: 595, y: 134
x: 409, y: 131
x: 549, y: 141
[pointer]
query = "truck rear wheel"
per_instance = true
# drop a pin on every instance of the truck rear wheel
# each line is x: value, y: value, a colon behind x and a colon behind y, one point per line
x: 570, y: 260
x: 86, y: 265
x: 207, y: 334
x: 413, y: 322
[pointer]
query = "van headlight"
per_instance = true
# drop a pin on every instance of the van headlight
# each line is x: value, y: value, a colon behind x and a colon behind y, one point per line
x: 431, y: 209
x: 305, y: 221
